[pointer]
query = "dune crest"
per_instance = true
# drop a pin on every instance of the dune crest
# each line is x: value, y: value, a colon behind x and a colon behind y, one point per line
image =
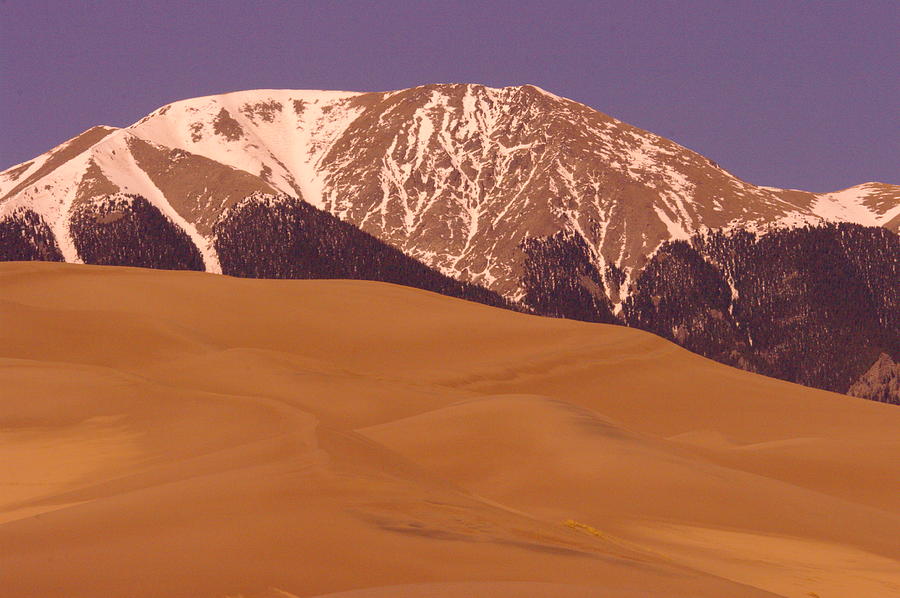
x: 185, y: 434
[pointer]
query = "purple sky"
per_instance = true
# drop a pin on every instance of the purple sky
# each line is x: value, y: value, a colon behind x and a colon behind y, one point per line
x: 791, y: 94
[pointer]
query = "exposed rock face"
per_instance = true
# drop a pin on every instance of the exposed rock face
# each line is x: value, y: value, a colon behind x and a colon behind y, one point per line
x: 126, y: 230
x: 881, y: 382
x: 193, y: 184
x: 539, y: 199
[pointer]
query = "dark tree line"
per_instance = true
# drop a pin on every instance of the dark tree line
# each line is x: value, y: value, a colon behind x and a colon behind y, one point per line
x: 127, y: 230
x: 814, y: 305
x: 614, y: 276
x: 561, y: 280
x: 681, y: 297
x: 24, y: 236
x: 283, y: 237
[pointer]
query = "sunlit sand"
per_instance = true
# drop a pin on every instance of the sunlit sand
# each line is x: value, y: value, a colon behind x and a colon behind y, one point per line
x: 186, y: 434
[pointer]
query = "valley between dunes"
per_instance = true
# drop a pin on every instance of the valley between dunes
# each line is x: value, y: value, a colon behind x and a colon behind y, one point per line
x: 187, y: 434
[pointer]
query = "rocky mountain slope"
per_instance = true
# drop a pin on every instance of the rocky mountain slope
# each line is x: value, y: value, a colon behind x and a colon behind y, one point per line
x: 537, y: 198
x: 455, y: 175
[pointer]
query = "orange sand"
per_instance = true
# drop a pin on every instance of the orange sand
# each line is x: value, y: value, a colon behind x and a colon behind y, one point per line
x: 184, y: 434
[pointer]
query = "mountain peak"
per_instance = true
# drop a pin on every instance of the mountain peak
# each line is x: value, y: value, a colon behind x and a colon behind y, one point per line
x: 456, y: 175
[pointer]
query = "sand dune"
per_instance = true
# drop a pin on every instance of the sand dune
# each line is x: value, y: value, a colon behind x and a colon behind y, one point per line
x: 184, y: 434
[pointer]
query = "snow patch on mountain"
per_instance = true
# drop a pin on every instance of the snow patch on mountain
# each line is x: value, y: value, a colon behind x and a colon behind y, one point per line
x: 848, y: 206
x: 281, y: 135
x: 50, y: 198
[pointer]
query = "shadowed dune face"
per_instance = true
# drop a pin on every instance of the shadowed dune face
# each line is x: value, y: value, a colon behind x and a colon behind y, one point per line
x: 184, y: 434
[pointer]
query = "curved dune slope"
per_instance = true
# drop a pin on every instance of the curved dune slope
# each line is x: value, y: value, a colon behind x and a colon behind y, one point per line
x: 184, y: 434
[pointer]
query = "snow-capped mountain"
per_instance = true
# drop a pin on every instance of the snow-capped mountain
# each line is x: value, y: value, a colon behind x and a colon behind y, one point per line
x: 512, y: 197
x: 456, y: 176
